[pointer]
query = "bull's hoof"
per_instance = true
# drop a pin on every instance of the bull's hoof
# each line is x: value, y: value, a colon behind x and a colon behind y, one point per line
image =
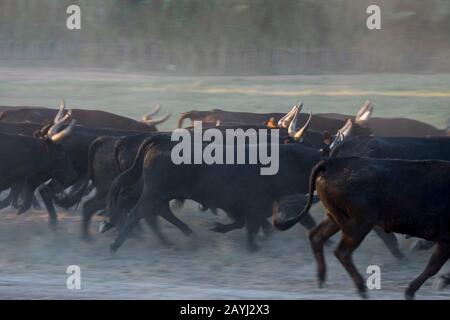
x: 219, y: 227
x: 363, y: 294
x: 400, y: 256
x: 21, y: 210
x: 409, y: 294
x: 321, y: 280
x: 104, y: 226
x: 188, y: 232
x: 421, y: 245
x: 445, y: 281
x: 114, y: 246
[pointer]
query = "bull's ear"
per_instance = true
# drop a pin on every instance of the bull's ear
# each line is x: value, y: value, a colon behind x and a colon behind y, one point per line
x: 42, y: 132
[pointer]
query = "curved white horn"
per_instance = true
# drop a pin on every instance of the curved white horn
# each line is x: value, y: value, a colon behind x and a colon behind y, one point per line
x: 292, y: 129
x: 152, y: 113
x: 300, y: 133
x: 64, y: 133
x: 285, y: 120
x: 362, y: 110
x: 154, y: 122
x: 60, y: 113
x: 366, y: 115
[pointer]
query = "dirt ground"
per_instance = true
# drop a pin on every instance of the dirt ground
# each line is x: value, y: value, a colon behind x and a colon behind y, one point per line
x: 34, y: 259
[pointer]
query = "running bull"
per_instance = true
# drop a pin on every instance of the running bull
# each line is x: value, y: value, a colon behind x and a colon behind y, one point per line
x: 408, y: 197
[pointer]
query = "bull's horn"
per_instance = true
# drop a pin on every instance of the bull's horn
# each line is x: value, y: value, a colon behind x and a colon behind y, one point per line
x: 346, y: 129
x: 64, y: 133
x: 286, y: 119
x: 152, y: 113
x: 300, y: 133
x: 366, y: 115
x: 60, y: 113
x: 292, y: 129
x: 362, y: 110
x: 154, y: 122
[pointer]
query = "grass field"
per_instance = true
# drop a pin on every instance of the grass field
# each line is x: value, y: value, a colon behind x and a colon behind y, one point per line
x: 422, y: 97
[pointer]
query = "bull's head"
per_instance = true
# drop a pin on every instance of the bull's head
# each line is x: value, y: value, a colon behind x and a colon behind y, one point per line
x: 150, y: 121
x: 61, y: 168
x: 357, y: 127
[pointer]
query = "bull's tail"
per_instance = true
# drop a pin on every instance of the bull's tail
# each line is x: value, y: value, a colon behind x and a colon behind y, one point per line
x: 127, y: 178
x: 289, y: 223
x: 75, y: 196
x: 117, y: 147
x: 183, y: 116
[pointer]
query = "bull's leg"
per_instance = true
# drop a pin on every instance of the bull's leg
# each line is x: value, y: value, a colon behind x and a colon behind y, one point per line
x: 350, y: 240
x: 224, y: 228
x: 437, y: 260
x: 152, y: 221
x: 266, y: 227
x: 15, y: 193
x: 7, y: 201
x: 317, y: 237
x: 90, y: 207
x: 390, y: 241
x: 253, y: 225
x: 36, y: 204
x: 47, y: 196
x: 166, y: 213
x: 28, y: 194
x: 124, y: 232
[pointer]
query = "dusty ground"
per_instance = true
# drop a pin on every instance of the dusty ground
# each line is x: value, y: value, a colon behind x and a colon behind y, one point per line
x: 33, y: 262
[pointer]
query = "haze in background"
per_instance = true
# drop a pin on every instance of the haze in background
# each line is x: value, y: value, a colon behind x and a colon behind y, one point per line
x: 229, y: 36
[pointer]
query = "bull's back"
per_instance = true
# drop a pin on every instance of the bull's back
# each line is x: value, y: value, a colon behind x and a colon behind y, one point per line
x: 409, y: 197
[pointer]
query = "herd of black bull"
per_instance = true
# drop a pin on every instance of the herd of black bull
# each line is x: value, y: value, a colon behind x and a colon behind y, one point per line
x: 386, y: 174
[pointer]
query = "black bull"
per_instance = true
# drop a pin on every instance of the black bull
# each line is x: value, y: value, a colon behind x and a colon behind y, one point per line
x: 383, y: 127
x: 109, y: 156
x: 32, y: 161
x: 238, y: 189
x: 408, y: 197
x: 76, y: 145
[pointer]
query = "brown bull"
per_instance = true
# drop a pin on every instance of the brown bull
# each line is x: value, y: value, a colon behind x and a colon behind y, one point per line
x: 408, y: 197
